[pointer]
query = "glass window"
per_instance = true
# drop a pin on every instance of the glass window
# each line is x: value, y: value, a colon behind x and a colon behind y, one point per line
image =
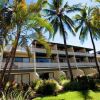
x: 42, y: 60
x: 18, y: 59
x: 26, y: 60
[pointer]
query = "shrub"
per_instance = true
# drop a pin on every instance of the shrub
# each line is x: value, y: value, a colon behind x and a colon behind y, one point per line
x: 37, y: 84
x: 62, y: 82
x: 73, y: 85
x: 92, y: 84
x: 33, y: 85
x: 80, y: 83
x: 48, y: 87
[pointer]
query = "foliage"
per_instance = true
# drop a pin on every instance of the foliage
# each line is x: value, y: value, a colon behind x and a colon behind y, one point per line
x: 56, y: 11
x: 48, y: 87
x: 86, y: 27
x: 36, y: 84
x: 62, y: 77
x: 97, y: 0
x: 65, y: 81
x: 24, y: 19
x: 96, y: 17
x: 14, y: 91
x: 80, y: 84
x: 85, y: 21
x: 57, y: 14
x: 43, y: 41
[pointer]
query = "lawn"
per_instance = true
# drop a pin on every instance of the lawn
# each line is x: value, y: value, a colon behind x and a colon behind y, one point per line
x: 86, y: 95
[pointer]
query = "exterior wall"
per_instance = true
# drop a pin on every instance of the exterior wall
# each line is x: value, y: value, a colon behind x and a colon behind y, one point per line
x: 57, y: 61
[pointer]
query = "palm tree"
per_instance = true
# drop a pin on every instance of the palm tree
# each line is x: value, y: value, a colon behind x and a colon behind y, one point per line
x: 86, y: 27
x: 57, y: 14
x: 5, y: 21
x: 24, y: 16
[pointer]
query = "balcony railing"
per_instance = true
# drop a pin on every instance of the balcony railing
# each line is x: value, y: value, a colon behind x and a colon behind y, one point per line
x: 83, y: 54
x: 63, y: 52
x: 18, y: 65
x: 8, y: 48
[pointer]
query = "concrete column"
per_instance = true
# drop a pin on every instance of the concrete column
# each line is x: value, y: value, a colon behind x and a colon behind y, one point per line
x: 58, y: 59
x: 34, y: 56
x: 75, y: 60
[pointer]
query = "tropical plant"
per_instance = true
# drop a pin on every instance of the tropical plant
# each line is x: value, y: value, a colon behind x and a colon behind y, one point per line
x: 50, y: 85
x: 77, y: 84
x: 5, y: 25
x: 57, y: 14
x: 96, y: 17
x: 24, y: 17
x: 97, y: 0
x: 84, y: 21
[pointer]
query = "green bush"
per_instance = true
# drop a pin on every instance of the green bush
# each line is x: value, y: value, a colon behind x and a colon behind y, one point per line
x: 48, y: 87
x: 71, y: 86
x: 37, y: 84
x: 80, y: 83
x: 62, y: 82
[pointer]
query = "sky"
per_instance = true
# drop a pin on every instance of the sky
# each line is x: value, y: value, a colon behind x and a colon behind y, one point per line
x: 74, y: 40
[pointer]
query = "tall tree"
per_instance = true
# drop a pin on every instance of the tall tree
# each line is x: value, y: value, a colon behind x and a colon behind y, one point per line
x: 24, y: 17
x: 84, y: 21
x: 57, y: 14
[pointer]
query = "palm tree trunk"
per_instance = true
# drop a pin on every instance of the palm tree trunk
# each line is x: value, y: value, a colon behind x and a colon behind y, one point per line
x: 94, y: 50
x: 14, y: 50
x: 7, y: 61
x: 66, y: 51
x: 5, y: 66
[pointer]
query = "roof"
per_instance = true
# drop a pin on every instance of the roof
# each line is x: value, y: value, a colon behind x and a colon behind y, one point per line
x: 67, y: 45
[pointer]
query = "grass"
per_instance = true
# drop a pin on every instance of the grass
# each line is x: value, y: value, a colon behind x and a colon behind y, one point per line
x: 84, y: 95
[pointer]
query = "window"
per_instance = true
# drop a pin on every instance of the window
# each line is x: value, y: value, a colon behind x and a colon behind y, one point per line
x: 18, y: 59
x: 26, y: 60
x: 42, y: 60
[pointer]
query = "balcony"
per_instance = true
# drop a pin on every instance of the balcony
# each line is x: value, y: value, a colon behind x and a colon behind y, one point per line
x: 83, y: 54
x: 41, y: 50
x: 63, y: 52
x: 18, y: 65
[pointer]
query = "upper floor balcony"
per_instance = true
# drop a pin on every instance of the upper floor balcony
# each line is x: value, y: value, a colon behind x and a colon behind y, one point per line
x: 42, y: 50
x: 63, y: 52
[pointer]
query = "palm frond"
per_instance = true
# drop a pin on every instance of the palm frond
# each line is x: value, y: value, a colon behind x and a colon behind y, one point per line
x: 24, y: 43
x: 80, y: 23
x: 72, y: 8
x: 41, y: 22
x: 69, y: 23
x: 55, y: 24
x: 41, y: 39
x: 57, y: 3
x: 77, y: 17
x: 83, y: 33
x: 36, y: 7
x: 49, y: 12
